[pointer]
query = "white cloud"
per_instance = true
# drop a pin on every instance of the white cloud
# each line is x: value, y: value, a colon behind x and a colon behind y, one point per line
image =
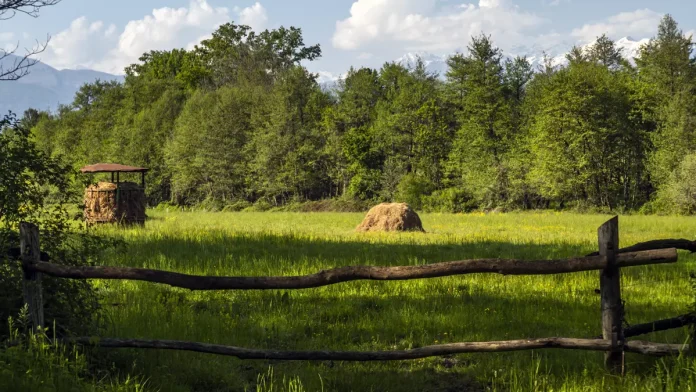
x: 254, y: 16
x: 420, y: 25
x: 639, y: 23
x: 490, y: 3
x: 8, y: 36
x: 78, y: 45
x: 93, y: 45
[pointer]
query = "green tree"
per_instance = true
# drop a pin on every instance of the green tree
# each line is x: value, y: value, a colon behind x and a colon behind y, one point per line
x: 477, y: 90
x: 666, y: 93
x: 206, y: 155
x: 350, y: 139
x: 288, y: 140
x: 584, y: 142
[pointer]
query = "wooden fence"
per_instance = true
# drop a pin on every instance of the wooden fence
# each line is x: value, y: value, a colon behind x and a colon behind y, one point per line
x: 609, y: 260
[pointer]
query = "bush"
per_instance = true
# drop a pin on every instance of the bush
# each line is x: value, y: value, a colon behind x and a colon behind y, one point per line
x: 239, y: 205
x: 413, y: 189
x: 365, y: 184
x: 678, y: 195
x: 35, y: 188
x: 454, y: 200
x: 261, y: 205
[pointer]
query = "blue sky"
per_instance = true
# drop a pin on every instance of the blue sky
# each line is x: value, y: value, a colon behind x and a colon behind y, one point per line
x: 109, y: 35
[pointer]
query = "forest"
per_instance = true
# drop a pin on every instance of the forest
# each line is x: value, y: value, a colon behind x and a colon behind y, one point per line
x: 239, y: 123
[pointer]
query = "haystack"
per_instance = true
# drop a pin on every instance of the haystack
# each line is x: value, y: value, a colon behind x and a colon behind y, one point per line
x: 107, y: 202
x: 391, y: 217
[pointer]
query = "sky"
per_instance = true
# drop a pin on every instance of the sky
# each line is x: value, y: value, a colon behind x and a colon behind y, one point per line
x: 109, y: 35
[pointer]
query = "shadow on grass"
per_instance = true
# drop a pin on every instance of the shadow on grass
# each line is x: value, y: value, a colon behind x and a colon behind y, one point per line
x: 184, y: 252
x: 361, y: 315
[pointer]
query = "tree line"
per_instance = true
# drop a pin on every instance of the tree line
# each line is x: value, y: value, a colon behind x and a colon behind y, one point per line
x: 239, y: 121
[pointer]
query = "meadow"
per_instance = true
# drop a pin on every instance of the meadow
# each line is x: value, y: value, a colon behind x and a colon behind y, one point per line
x: 387, y: 315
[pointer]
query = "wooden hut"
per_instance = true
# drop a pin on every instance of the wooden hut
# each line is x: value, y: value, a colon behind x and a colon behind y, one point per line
x: 115, y: 201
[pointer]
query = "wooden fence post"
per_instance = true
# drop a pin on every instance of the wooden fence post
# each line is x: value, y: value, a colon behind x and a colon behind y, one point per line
x: 31, y: 254
x: 610, y: 287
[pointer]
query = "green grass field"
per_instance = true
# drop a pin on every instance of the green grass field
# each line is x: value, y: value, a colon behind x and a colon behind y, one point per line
x: 387, y: 315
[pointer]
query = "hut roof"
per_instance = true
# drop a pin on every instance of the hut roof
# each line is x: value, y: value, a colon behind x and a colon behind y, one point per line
x: 112, y: 167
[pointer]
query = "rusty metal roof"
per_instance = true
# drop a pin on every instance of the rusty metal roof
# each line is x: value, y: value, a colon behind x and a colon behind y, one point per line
x: 112, y: 167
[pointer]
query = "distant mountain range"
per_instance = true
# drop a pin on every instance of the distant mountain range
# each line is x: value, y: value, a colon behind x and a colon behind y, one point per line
x: 44, y: 87
x: 438, y: 64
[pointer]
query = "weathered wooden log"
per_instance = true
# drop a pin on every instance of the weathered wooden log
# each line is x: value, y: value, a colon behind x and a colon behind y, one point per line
x: 346, y: 274
x: 395, y: 355
x: 31, y: 285
x: 610, y: 290
x: 681, y: 244
x: 659, y: 325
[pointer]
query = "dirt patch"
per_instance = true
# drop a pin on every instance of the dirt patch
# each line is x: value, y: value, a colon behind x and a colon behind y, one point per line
x: 391, y: 217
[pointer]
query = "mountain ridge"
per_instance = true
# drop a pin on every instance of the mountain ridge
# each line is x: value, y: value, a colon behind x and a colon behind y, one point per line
x: 45, y: 87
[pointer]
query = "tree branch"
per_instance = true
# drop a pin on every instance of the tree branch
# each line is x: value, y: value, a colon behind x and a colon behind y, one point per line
x: 20, y: 66
x: 9, y: 8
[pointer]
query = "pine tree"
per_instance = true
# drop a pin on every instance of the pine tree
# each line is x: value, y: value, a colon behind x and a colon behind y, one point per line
x: 477, y: 91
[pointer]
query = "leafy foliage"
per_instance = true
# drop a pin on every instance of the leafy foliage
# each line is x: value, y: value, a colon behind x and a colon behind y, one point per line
x: 239, y: 121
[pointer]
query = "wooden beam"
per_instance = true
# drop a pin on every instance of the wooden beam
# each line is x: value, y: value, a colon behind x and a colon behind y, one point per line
x: 681, y: 244
x: 31, y: 287
x: 347, y: 274
x: 659, y: 325
x: 610, y: 289
x: 395, y: 355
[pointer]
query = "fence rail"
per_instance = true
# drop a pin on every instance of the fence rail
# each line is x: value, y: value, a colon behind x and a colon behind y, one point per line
x: 647, y: 348
x: 347, y: 274
x: 609, y: 261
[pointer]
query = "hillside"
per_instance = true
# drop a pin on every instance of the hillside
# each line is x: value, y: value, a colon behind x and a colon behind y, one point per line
x: 45, y: 87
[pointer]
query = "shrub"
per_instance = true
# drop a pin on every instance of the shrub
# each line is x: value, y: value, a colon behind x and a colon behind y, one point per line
x: 454, y: 200
x: 36, y: 188
x: 364, y: 185
x: 261, y: 205
x: 239, y: 205
x: 678, y: 195
x: 412, y: 189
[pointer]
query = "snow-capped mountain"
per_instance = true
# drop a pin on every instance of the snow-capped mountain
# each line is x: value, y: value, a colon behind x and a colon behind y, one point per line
x: 535, y: 54
x: 45, y: 87
x: 433, y: 63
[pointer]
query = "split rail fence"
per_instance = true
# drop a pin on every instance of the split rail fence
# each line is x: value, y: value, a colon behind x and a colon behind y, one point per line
x: 608, y: 260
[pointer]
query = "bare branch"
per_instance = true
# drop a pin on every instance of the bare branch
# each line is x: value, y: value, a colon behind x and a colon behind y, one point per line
x: 20, y: 66
x: 10, y: 8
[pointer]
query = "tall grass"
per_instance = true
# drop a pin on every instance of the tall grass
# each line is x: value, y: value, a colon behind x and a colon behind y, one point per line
x: 387, y: 315
x: 36, y: 362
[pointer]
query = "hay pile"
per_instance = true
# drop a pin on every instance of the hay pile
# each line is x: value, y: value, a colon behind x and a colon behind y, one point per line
x: 391, y: 217
x: 111, y: 203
